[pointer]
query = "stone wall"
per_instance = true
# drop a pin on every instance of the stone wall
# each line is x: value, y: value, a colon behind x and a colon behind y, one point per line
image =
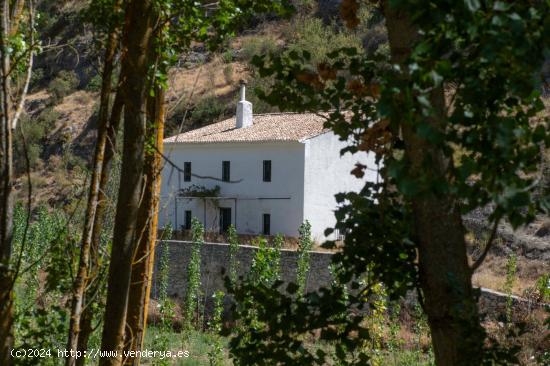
x: 215, y: 258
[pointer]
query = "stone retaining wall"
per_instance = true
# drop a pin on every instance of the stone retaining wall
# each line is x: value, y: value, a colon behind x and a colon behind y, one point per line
x: 215, y: 258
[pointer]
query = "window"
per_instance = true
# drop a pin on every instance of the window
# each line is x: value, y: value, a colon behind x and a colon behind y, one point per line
x: 187, y: 171
x: 225, y: 219
x: 266, y: 224
x: 226, y: 171
x: 188, y: 216
x: 267, y: 170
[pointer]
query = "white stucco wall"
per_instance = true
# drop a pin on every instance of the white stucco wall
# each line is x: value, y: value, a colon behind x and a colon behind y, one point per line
x: 326, y: 174
x: 283, y: 197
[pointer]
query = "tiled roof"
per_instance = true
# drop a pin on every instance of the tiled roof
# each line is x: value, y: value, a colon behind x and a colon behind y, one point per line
x: 266, y: 127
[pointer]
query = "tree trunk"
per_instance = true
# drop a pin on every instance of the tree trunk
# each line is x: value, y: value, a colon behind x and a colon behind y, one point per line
x: 137, y: 44
x: 142, y: 267
x: 82, y: 278
x: 6, y: 196
x: 110, y: 149
x: 445, y: 276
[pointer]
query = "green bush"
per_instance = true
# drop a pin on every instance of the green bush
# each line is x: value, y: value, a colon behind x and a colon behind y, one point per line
x: 37, y: 77
x: 258, y: 45
x: 47, y: 119
x: 260, y: 106
x: 94, y: 85
x: 310, y: 34
x: 65, y: 83
x: 207, y: 110
x: 35, y: 132
x: 228, y: 56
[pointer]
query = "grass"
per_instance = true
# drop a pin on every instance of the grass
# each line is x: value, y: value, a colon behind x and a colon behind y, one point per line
x: 199, y: 344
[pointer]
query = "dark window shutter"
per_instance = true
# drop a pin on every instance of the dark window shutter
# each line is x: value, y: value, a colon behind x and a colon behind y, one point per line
x: 226, y: 171
x: 187, y: 171
x: 267, y: 170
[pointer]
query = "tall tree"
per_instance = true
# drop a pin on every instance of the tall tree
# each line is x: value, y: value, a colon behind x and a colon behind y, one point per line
x: 444, y: 272
x: 91, y: 218
x: 137, y: 42
x: 13, y: 66
x: 102, y: 209
x: 142, y: 265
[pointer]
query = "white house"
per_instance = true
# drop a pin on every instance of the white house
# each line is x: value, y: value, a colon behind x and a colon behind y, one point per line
x: 274, y: 171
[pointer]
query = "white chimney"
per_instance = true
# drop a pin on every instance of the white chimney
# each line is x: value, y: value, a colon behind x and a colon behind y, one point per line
x: 244, y: 109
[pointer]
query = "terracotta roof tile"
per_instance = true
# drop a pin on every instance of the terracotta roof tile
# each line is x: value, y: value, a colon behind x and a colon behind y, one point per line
x: 266, y: 127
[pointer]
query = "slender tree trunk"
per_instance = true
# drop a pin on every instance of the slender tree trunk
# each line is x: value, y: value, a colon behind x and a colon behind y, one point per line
x: 81, y: 281
x: 445, y: 276
x: 142, y: 267
x: 137, y: 44
x: 6, y: 196
x: 110, y: 149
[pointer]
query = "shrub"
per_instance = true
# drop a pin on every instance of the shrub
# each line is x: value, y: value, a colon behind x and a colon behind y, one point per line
x: 193, y: 292
x: 259, y: 105
x: 36, y: 79
x: 233, y: 251
x: 207, y: 110
x: 228, y: 56
x: 258, y: 45
x: 543, y: 287
x: 310, y: 34
x: 65, y: 83
x: 304, y: 246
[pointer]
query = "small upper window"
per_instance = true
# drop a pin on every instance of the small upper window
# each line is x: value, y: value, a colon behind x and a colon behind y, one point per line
x: 267, y: 170
x: 226, y: 171
x: 187, y: 171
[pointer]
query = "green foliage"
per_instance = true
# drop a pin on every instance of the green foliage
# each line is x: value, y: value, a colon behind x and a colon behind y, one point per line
x: 161, y: 340
x: 265, y: 267
x: 228, y: 56
x: 64, y: 84
x: 35, y: 131
x: 199, y: 191
x: 543, y: 287
x: 216, y: 354
x: 94, y: 85
x: 193, y: 292
x: 36, y: 78
x: 207, y: 110
x: 233, y: 240
x: 311, y: 35
x: 46, y: 246
x: 511, y: 272
x: 264, y: 273
x: 304, y: 246
x: 258, y: 45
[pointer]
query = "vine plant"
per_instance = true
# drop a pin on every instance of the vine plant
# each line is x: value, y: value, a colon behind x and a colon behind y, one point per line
x: 233, y: 252
x: 193, y: 292
x: 304, y: 246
